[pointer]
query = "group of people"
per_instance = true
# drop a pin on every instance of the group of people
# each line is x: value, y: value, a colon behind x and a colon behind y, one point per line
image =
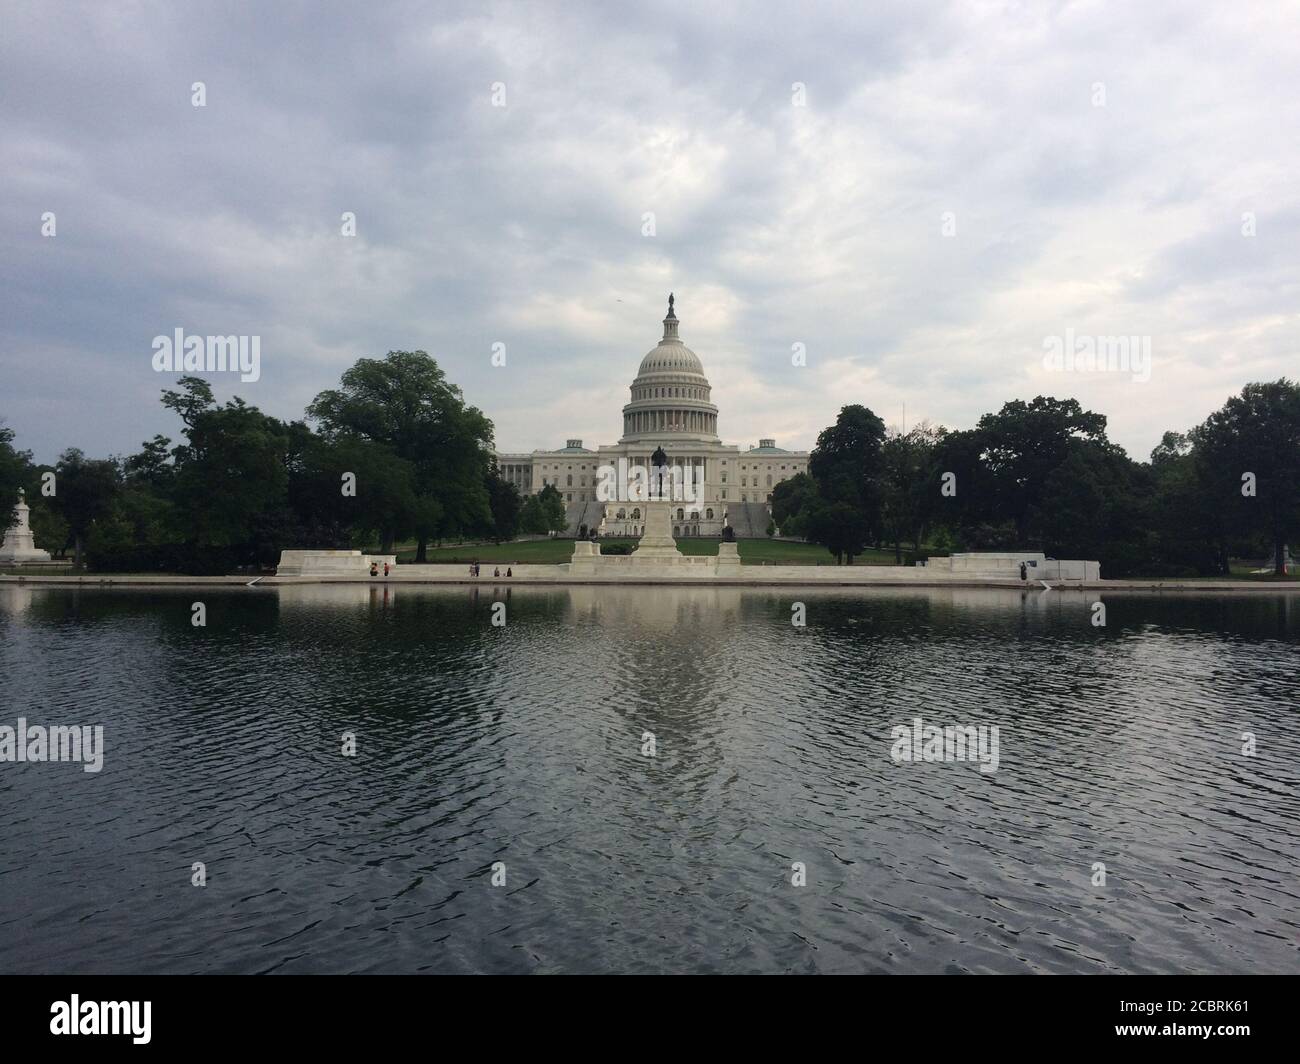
x: 474, y: 570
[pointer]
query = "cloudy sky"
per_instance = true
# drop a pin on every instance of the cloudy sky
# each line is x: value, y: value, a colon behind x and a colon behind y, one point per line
x: 1092, y: 164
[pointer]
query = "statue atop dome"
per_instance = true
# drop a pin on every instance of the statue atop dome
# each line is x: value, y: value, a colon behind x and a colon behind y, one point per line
x: 670, y: 323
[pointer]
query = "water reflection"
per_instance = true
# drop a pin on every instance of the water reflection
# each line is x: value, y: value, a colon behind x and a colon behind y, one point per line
x: 522, y: 743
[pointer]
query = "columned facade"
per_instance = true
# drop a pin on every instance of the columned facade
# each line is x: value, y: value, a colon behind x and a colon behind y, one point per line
x: 670, y: 406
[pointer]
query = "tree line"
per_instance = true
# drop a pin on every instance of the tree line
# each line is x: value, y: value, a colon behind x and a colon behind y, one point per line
x: 395, y: 454
x: 392, y: 454
x: 1042, y: 475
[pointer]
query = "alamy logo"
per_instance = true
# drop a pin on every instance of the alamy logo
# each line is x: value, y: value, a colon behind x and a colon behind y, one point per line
x: 929, y: 742
x: 179, y: 353
x: 102, y: 1017
x: 1098, y: 354
x: 638, y: 483
x: 56, y: 743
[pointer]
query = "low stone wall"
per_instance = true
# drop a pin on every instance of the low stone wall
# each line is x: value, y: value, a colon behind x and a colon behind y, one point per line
x: 1005, y: 565
x: 330, y: 562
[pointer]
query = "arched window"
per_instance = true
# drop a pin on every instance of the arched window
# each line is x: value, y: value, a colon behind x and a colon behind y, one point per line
x: 695, y: 515
x: 676, y: 531
x: 708, y: 514
x: 769, y: 480
x: 621, y: 515
x: 636, y: 514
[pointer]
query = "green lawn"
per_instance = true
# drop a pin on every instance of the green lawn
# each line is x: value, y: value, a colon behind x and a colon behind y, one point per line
x: 555, y: 551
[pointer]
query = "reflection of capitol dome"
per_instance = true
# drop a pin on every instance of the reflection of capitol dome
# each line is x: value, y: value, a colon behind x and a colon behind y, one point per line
x: 671, y: 394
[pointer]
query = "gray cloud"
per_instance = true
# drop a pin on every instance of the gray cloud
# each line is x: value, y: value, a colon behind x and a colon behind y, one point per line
x: 776, y: 224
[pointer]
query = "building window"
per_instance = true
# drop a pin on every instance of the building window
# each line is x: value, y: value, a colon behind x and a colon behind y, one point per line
x: 708, y: 514
x: 570, y: 483
x: 769, y: 480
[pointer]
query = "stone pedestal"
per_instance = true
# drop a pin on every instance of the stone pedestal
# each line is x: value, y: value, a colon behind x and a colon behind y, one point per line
x: 19, y: 548
x: 728, y: 557
x: 657, y: 541
x: 586, y: 557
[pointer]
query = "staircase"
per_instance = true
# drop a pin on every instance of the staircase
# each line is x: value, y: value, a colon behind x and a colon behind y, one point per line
x: 749, y: 519
x: 583, y: 513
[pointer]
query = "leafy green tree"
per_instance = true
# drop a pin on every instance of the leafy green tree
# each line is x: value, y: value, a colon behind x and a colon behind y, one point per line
x: 544, y: 512
x: 14, y: 469
x: 841, y: 528
x: 1021, y: 445
x: 846, y: 463
x: 506, y: 507
x: 792, y: 502
x: 230, y: 485
x: 405, y: 403
x: 1188, y: 533
x: 153, y: 466
x: 1093, y: 505
x: 1255, y: 435
x: 907, y: 485
x: 84, y: 494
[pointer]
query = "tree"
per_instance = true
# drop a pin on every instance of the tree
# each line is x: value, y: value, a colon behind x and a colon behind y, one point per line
x: 544, y: 512
x: 1093, y: 505
x: 846, y: 463
x: 1022, y: 444
x: 230, y: 484
x: 14, y: 467
x: 506, y: 506
x: 841, y: 528
x: 1254, y: 439
x: 405, y: 403
x: 907, y: 485
x: 792, y: 501
x: 84, y: 492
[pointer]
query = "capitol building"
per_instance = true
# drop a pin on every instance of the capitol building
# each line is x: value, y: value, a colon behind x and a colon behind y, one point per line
x: 671, y: 406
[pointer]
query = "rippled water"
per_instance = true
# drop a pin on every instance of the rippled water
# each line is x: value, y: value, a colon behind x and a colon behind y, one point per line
x: 523, y: 745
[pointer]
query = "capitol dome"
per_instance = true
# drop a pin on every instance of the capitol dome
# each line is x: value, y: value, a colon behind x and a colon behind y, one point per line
x: 671, y: 394
x: 670, y: 354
